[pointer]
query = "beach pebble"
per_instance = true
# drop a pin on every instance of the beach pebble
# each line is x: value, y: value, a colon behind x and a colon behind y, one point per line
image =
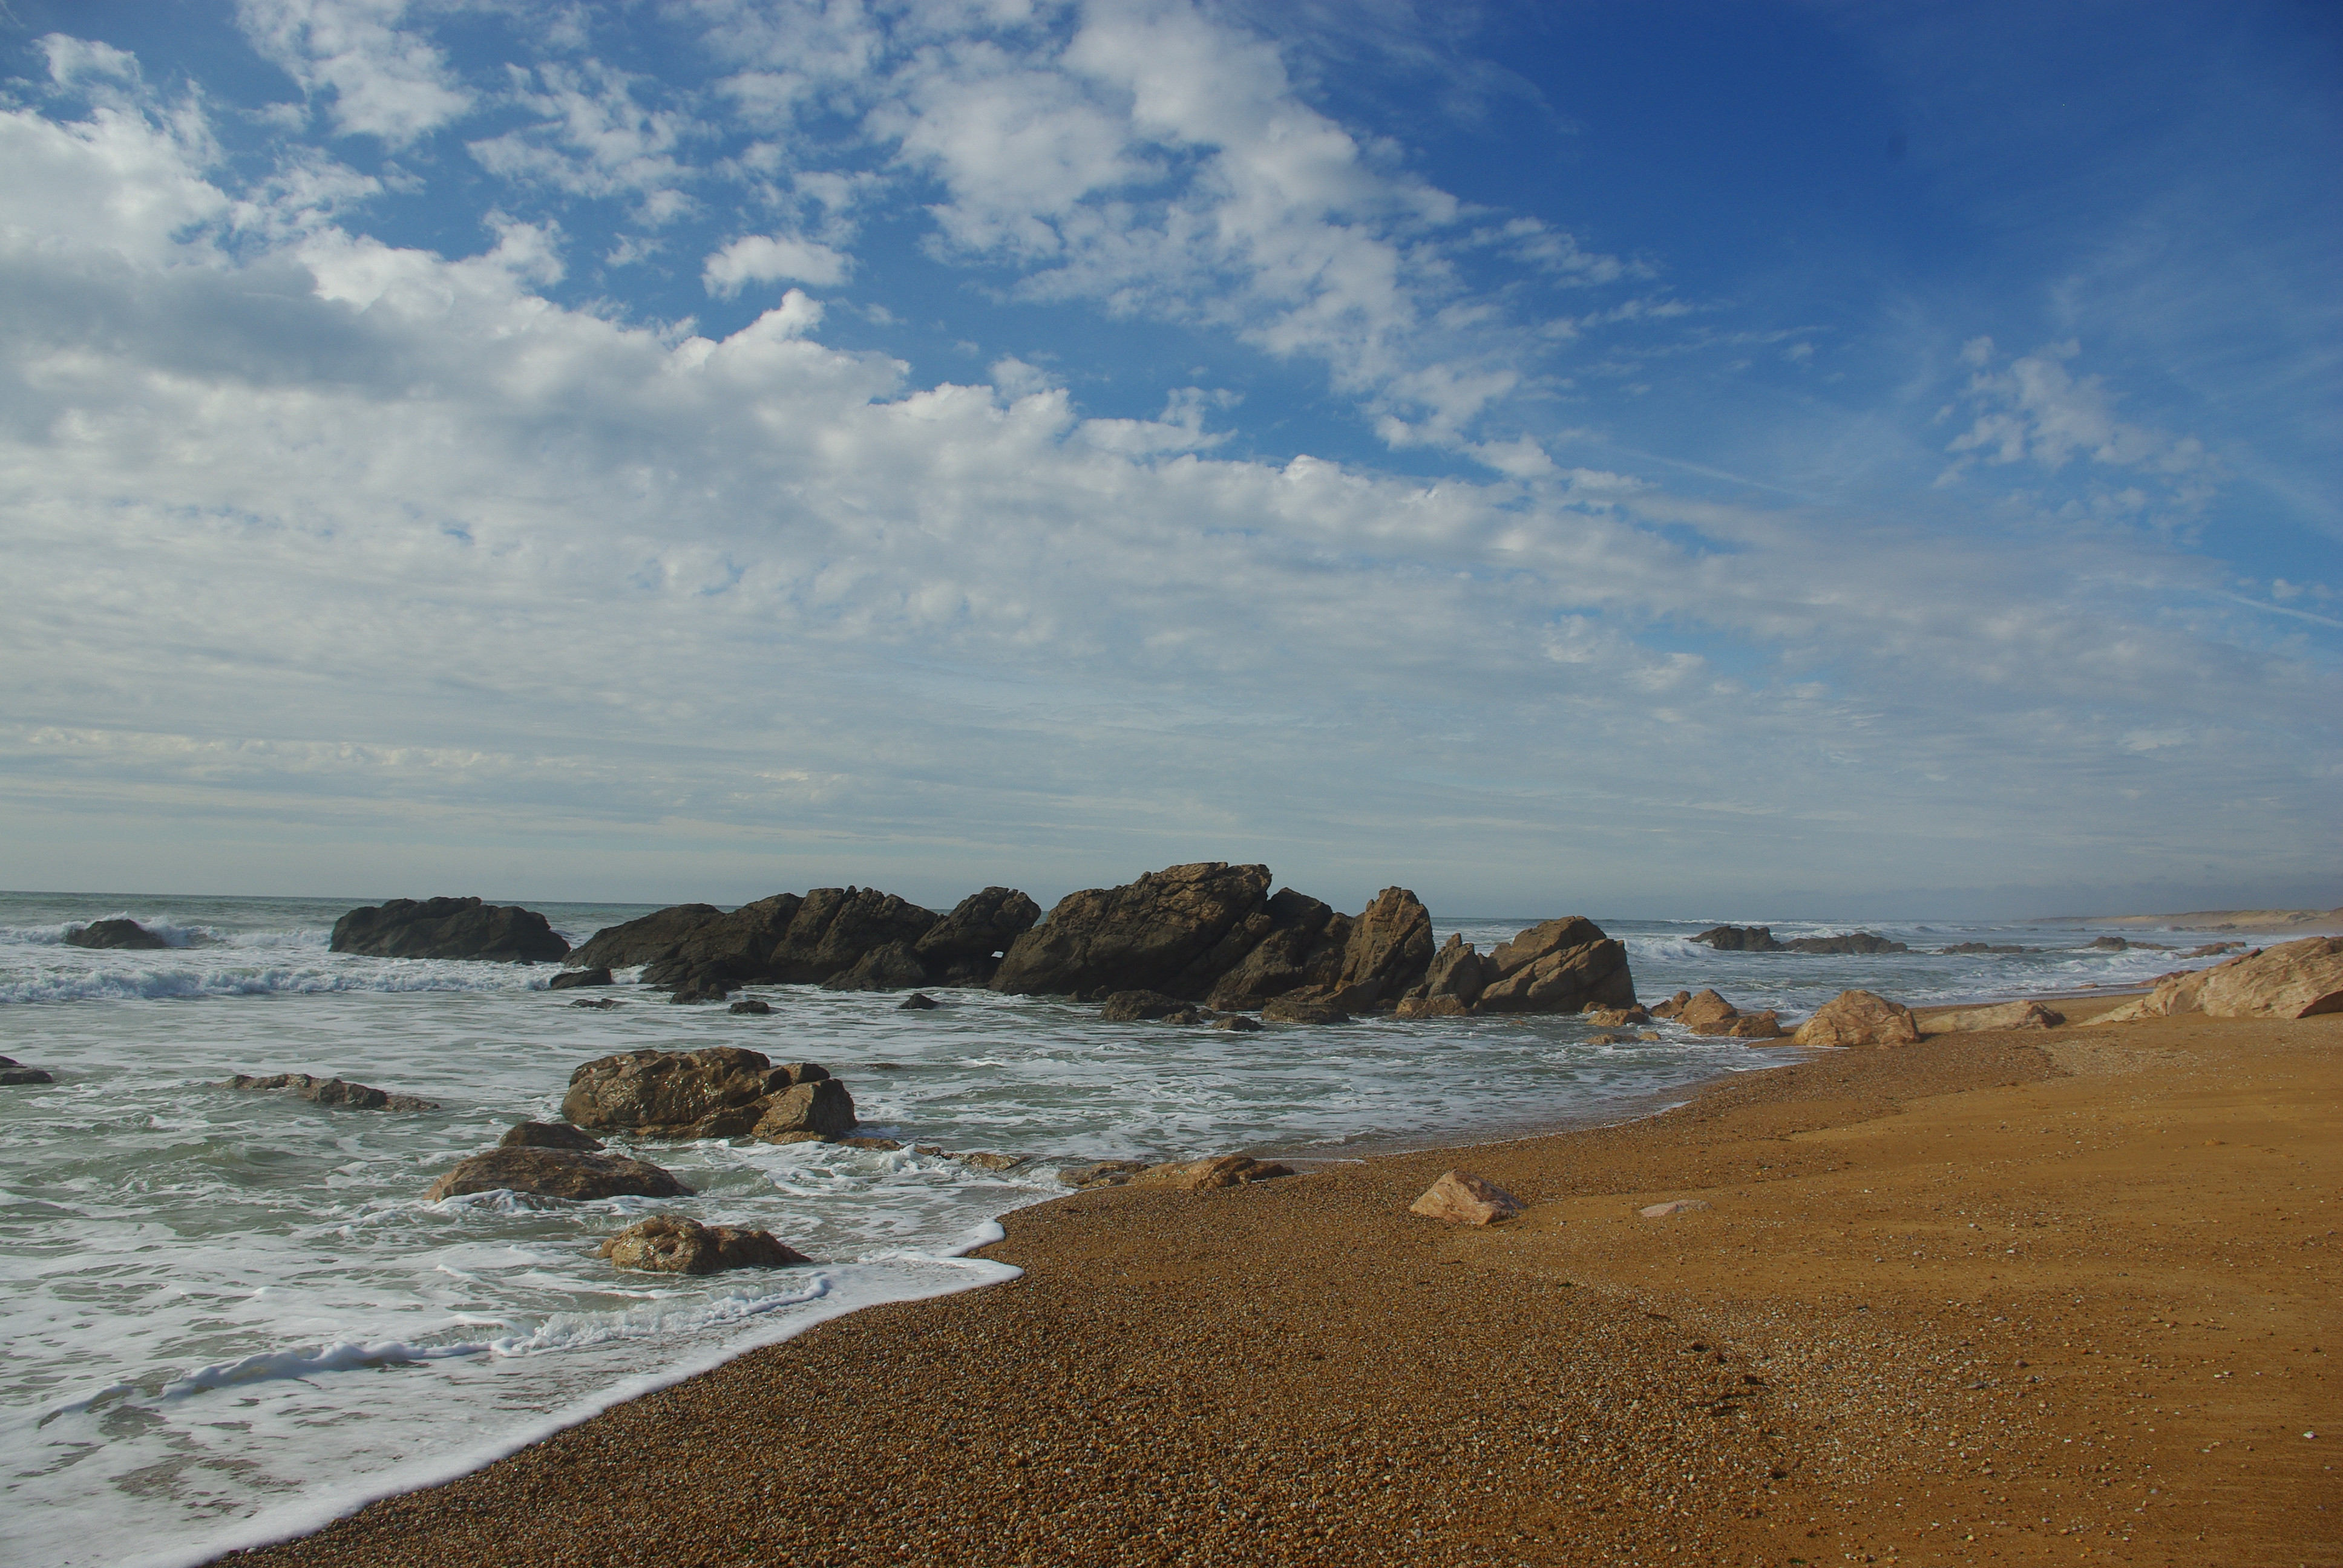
x: 1460, y: 1198
x: 1675, y: 1206
x: 671, y: 1244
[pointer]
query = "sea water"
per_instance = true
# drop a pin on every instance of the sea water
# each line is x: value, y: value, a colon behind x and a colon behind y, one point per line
x: 230, y: 1314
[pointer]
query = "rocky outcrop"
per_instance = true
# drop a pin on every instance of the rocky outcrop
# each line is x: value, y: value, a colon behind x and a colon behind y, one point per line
x: 1462, y: 1199
x: 548, y: 1135
x: 333, y: 1091
x: 1450, y: 985
x: 1170, y: 930
x: 2293, y: 980
x: 671, y: 1244
x: 1388, y: 953
x: 1131, y: 1006
x: 116, y: 933
x: 578, y: 1175
x: 1293, y: 1007
x: 704, y: 953
x: 1859, y: 1018
x: 980, y: 929
x: 12, y: 1071
x: 1211, y: 1175
x: 571, y: 980
x: 639, y: 942
x: 1740, y: 938
x: 1614, y: 1017
x: 2004, y: 950
x: 2009, y: 1015
x: 721, y: 1092
x: 1293, y: 942
x: 1705, y: 1013
x: 891, y: 967
x: 1102, y: 1173
x: 448, y: 928
x: 1558, y: 966
x: 1761, y: 939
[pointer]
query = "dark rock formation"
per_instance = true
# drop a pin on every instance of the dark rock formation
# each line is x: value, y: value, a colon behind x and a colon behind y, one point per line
x: 548, y: 1135
x: 1740, y: 938
x: 114, y: 934
x: 722, y: 1092
x: 1158, y: 933
x: 1237, y: 1023
x: 333, y: 1091
x: 1293, y: 1008
x: 639, y: 942
x: 1558, y: 966
x: 892, y: 966
x: 979, y: 926
x: 448, y: 928
x: 1850, y: 942
x: 671, y: 1244
x: 12, y: 1071
x: 754, y: 1007
x: 579, y: 1175
x: 2009, y: 949
x: 1293, y: 942
x: 856, y: 939
x: 917, y: 1002
x: 1131, y: 1006
x: 601, y: 1003
x: 703, y: 988
x: 570, y: 980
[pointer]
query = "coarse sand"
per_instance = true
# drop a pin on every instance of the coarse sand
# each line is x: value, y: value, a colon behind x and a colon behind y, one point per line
x: 2060, y: 1297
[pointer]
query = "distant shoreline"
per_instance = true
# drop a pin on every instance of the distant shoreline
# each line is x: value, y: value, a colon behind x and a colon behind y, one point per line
x: 2296, y: 922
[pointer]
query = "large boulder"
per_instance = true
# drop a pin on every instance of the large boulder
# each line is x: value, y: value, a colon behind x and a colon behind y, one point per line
x: 1558, y: 966
x: 1847, y: 942
x: 979, y: 926
x: 579, y: 1175
x: 893, y: 967
x: 448, y: 928
x: 1388, y: 953
x: 1740, y: 938
x: 1450, y: 985
x: 671, y: 1244
x: 2009, y: 1015
x: 1293, y: 942
x: 1859, y: 1018
x: 834, y: 927
x: 1705, y: 1013
x: 117, y: 933
x: 333, y: 1091
x: 641, y: 940
x: 719, y: 1091
x: 2293, y: 980
x: 1158, y: 933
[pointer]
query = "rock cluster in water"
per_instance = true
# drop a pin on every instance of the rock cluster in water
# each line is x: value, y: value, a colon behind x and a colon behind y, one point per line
x: 1705, y: 1013
x: 333, y: 1091
x: 1761, y: 939
x: 117, y: 933
x: 673, y: 1244
x: 1565, y: 965
x: 448, y: 928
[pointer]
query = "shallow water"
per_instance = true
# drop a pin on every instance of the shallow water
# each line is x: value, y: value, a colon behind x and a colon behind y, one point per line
x: 230, y: 1314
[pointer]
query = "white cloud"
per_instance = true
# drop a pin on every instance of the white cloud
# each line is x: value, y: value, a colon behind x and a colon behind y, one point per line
x: 769, y: 258
x: 2037, y: 409
x: 384, y: 79
x: 594, y: 139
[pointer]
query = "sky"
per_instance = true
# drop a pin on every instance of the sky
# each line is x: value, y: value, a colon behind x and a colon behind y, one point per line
x: 1735, y: 460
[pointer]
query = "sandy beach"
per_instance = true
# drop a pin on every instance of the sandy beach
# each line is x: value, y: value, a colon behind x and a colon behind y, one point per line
x: 2052, y: 1297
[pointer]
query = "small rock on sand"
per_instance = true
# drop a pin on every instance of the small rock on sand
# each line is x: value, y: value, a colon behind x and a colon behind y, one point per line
x: 2009, y: 1015
x: 671, y: 1244
x: 1208, y: 1175
x: 1859, y: 1018
x: 1460, y: 1198
x: 1675, y: 1206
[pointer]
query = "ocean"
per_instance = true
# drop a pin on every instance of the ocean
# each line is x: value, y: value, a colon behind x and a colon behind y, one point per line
x: 230, y: 1315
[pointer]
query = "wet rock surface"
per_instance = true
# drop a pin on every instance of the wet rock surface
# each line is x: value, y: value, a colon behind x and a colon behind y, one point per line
x: 12, y: 1071
x: 120, y: 934
x: 571, y: 980
x: 548, y: 1135
x: 719, y: 1091
x: 673, y: 1244
x: 578, y: 1175
x: 333, y: 1091
x: 448, y: 928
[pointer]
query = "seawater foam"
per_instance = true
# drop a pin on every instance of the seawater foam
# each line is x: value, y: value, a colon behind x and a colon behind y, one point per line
x: 231, y: 1316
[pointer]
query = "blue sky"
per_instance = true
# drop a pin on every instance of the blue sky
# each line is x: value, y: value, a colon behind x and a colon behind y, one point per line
x: 1755, y: 460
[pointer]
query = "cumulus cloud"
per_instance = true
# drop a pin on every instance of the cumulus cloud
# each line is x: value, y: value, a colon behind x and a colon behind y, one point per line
x: 769, y: 258
x: 381, y: 78
x: 2035, y: 409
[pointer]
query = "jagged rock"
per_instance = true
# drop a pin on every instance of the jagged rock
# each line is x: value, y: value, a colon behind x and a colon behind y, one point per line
x: 548, y: 1135
x: 579, y: 1175
x: 1294, y: 942
x: 1450, y: 985
x: 1461, y: 1198
x: 601, y: 1003
x: 835, y: 927
x: 1614, y: 1017
x: 704, y: 952
x: 1131, y: 1006
x: 984, y: 1160
x: 917, y: 1002
x: 1208, y: 1175
x: 671, y: 1244
x: 704, y: 987
x: 2214, y: 949
x: 751, y: 1006
x: 1102, y: 1173
x: 1389, y: 951
x: 979, y: 926
x: 1237, y: 1023
x: 1740, y: 938
x: 119, y: 933
x: 570, y: 980
x: 1292, y: 1008
x: 12, y: 1071
x: 641, y: 940
x: 1709, y: 1013
x: 1558, y: 966
x: 1859, y: 1018
x: 1672, y: 1007
x: 2009, y: 1015
x: 892, y: 966
x: 448, y: 928
x: 2005, y: 950
x: 1851, y: 942
x: 880, y: 1145
x: 2292, y: 979
x: 1149, y: 935
x: 333, y: 1091
x: 721, y: 1091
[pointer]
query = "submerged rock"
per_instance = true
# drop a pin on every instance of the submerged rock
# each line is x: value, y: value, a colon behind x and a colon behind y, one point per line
x: 578, y: 1175
x: 333, y: 1091
x: 1851, y: 942
x: 753, y: 1007
x: 117, y: 933
x: 1459, y: 1198
x: 601, y: 1003
x: 1131, y: 1006
x: 1859, y: 1018
x: 2004, y: 949
x: 1292, y: 1008
x: 12, y: 1071
x: 448, y: 928
x: 671, y: 1244
x: 1740, y: 938
x: 1237, y: 1023
x: 917, y: 1002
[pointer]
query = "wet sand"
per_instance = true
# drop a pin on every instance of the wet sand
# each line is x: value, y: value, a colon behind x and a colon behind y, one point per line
x: 2064, y: 1297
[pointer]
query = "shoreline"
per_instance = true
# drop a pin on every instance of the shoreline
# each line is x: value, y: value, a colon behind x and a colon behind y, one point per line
x: 1301, y: 1372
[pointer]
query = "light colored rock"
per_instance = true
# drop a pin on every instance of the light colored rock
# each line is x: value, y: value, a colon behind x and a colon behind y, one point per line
x: 1434, y: 1007
x: 1460, y: 1198
x: 671, y: 1244
x: 1206, y: 1175
x: 1298, y: 1008
x: 1102, y: 1173
x: 822, y: 1108
x: 576, y: 1174
x: 334, y: 1092
x: 1860, y: 1017
x: 1675, y: 1206
x: 1558, y: 966
x: 2009, y: 1015
x: 2293, y: 980
x: 1603, y: 1017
